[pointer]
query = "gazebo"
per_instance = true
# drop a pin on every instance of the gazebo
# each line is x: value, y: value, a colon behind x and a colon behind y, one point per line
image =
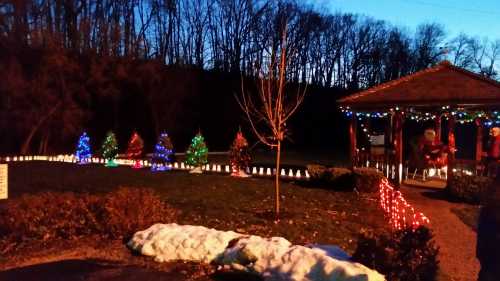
x: 440, y: 93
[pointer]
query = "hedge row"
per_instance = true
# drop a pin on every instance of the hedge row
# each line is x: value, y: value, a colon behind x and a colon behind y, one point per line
x: 470, y: 189
x: 361, y: 179
x: 69, y: 215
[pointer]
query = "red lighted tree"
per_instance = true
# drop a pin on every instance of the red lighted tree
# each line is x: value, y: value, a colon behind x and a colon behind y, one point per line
x: 239, y: 156
x: 134, y: 149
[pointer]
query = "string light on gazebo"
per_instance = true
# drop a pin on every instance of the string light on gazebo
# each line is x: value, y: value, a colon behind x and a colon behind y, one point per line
x: 461, y: 115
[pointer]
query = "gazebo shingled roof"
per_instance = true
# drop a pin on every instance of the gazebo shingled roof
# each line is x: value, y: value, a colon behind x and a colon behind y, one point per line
x: 441, y: 85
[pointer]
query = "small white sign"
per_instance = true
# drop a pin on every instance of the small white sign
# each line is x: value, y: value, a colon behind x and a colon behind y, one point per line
x: 4, y: 181
x: 377, y: 140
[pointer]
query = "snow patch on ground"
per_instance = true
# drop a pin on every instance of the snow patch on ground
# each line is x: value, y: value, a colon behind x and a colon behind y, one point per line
x: 277, y: 259
x: 171, y: 242
x: 272, y: 258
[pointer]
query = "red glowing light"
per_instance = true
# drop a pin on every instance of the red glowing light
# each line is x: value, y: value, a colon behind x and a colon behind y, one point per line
x: 400, y: 213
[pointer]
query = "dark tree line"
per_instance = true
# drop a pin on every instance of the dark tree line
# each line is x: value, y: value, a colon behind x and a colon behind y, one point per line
x: 69, y: 64
x: 340, y: 49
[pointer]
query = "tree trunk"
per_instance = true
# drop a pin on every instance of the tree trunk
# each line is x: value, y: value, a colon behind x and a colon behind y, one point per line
x: 277, y: 181
x: 27, y: 142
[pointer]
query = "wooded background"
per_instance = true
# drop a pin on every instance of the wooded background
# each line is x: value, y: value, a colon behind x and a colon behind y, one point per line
x: 175, y: 65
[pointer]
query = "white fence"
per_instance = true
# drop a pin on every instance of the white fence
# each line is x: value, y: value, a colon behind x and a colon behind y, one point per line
x: 214, y: 168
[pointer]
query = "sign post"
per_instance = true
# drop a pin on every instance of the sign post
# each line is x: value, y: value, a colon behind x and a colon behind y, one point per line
x: 4, y: 181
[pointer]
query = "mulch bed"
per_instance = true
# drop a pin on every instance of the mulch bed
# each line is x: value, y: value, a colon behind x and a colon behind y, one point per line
x: 309, y: 215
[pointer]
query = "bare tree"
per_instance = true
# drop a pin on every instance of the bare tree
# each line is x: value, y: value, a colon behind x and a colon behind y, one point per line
x: 485, y: 55
x: 269, y: 111
x: 427, y: 41
x: 458, y: 51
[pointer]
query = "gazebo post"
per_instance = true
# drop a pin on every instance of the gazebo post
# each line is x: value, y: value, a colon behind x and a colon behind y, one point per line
x: 398, y: 145
x: 437, y: 126
x: 352, y: 137
x: 368, y: 149
x: 451, y: 148
x: 479, y: 139
x: 388, y: 142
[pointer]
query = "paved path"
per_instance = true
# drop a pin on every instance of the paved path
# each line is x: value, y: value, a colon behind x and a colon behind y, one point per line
x: 457, y: 241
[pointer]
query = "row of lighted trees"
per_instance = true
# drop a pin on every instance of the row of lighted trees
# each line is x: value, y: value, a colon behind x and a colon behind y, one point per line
x: 196, y: 154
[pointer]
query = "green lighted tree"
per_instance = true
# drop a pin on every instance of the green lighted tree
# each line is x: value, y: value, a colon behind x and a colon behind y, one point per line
x: 197, y: 152
x: 110, y: 149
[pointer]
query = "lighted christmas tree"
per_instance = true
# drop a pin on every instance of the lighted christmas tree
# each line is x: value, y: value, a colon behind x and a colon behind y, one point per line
x: 163, y: 154
x: 83, y: 153
x: 197, y: 153
x: 110, y: 150
x: 134, y: 150
x: 239, y: 156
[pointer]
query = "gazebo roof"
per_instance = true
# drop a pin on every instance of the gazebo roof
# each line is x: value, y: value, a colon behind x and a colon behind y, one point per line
x: 441, y: 85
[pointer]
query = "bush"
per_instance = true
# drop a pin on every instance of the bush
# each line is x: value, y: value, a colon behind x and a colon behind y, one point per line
x: 68, y: 215
x: 48, y: 215
x: 470, y: 189
x: 129, y: 210
x: 367, y: 179
x: 316, y: 172
x: 338, y: 178
x: 406, y: 255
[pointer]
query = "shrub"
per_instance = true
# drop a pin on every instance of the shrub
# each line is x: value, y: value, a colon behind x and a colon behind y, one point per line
x: 316, y: 172
x: 468, y: 189
x: 128, y: 210
x: 48, y: 215
x: 68, y: 215
x: 338, y: 178
x: 367, y: 179
x: 406, y: 255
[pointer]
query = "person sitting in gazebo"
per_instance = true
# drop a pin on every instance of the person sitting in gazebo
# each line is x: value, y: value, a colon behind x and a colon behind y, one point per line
x: 493, y: 154
x: 432, y: 150
x: 427, y: 153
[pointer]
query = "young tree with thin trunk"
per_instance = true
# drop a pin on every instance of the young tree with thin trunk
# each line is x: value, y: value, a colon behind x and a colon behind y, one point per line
x: 269, y: 109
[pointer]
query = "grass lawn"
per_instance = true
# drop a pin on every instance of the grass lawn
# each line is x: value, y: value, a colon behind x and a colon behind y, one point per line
x: 309, y: 215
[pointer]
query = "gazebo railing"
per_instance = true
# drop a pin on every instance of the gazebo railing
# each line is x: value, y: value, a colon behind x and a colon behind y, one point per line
x: 384, y: 162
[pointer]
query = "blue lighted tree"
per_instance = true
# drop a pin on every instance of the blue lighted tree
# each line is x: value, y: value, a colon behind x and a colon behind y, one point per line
x: 83, y: 153
x: 162, y: 155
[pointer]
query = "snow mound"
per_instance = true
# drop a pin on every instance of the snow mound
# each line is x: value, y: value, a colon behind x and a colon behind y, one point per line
x: 171, y: 242
x: 277, y: 259
x: 272, y: 258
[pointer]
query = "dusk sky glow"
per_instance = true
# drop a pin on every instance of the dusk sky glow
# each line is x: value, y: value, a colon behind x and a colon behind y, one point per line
x: 474, y: 18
